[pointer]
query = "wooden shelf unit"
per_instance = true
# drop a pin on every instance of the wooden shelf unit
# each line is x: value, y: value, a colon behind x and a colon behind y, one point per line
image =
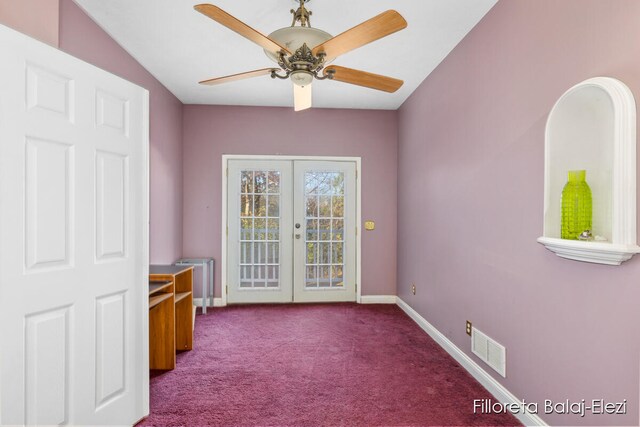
x: 181, y: 295
x: 170, y: 314
x: 157, y: 299
x: 155, y: 287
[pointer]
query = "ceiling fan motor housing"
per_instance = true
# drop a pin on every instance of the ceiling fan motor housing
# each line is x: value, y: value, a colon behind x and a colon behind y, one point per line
x: 293, y: 38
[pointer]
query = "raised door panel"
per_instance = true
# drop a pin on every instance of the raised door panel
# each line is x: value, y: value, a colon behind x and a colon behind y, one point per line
x: 112, y: 194
x: 112, y: 113
x: 50, y: 92
x: 49, y: 204
x: 47, y: 367
x: 111, y: 349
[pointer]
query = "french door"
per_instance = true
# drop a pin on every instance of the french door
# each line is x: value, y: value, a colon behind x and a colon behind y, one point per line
x: 291, y: 231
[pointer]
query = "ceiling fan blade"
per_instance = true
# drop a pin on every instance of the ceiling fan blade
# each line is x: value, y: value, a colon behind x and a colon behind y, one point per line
x: 362, y: 78
x: 222, y: 17
x: 239, y: 76
x: 375, y: 28
x: 302, y: 97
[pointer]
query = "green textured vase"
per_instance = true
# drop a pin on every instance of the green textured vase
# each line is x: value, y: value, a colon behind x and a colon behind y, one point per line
x: 576, y: 206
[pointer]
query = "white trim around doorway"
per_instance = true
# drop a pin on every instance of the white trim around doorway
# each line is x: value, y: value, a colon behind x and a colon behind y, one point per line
x: 225, y: 161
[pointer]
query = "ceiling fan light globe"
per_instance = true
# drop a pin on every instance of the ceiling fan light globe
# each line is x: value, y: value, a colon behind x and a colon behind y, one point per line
x: 301, y: 78
x: 294, y: 37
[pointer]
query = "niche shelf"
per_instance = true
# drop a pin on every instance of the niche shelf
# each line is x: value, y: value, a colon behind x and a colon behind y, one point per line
x: 593, y: 127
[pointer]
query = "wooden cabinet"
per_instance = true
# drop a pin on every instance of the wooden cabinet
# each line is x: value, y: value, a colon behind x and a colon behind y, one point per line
x: 170, y: 314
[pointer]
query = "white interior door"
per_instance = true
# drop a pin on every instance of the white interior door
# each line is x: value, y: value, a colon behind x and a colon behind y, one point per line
x: 291, y: 231
x: 73, y: 240
x: 325, y: 243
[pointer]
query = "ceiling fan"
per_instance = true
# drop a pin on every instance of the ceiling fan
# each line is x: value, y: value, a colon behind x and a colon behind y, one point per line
x: 302, y: 52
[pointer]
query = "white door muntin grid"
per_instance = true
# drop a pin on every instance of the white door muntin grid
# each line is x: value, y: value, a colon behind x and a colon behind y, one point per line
x: 325, y: 253
x: 259, y: 229
x: 259, y: 217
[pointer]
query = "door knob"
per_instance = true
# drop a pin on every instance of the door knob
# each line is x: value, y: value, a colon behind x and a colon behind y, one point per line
x: 297, y: 225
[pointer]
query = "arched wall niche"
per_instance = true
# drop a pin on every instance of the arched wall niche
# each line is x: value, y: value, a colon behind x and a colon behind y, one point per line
x: 593, y: 127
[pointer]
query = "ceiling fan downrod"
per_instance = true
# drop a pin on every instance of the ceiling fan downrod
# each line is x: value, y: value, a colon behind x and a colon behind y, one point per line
x: 301, y: 15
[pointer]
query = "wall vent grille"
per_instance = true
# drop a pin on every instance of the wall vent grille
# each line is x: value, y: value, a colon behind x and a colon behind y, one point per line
x: 489, y: 351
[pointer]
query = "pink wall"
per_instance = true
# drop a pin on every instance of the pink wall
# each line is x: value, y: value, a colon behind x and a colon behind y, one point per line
x: 81, y: 37
x: 470, y: 181
x: 37, y: 18
x: 211, y: 131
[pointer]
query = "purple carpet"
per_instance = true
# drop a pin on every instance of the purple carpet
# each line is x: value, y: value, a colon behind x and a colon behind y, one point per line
x: 315, y: 365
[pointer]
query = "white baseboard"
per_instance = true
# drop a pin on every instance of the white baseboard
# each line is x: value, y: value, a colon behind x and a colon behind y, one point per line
x: 378, y: 299
x: 365, y: 299
x: 217, y: 302
x: 494, y: 387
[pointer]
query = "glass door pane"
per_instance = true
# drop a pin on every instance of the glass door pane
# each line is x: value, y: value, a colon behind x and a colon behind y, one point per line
x: 259, y: 257
x: 324, y: 239
x: 259, y: 216
x: 324, y: 247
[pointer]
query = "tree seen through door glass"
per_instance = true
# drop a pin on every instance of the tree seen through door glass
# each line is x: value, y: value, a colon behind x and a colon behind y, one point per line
x: 325, y: 206
x: 274, y: 206
x: 246, y: 229
x: 274, y: 182
x: 324, y: 237
x: 260, y: 182
x: 246, y: 182
x: 273, y: 227
x: 324, y: 183
x: 259, y: 229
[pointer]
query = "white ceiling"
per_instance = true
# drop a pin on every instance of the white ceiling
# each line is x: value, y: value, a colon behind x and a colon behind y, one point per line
x: 180, y: 46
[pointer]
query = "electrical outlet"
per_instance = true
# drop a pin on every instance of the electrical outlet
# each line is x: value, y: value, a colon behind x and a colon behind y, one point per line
x: 468, y: 328
x: 413, y: 288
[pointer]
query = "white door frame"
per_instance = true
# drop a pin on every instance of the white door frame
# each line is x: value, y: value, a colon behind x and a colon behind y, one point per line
x: 225, y: 161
